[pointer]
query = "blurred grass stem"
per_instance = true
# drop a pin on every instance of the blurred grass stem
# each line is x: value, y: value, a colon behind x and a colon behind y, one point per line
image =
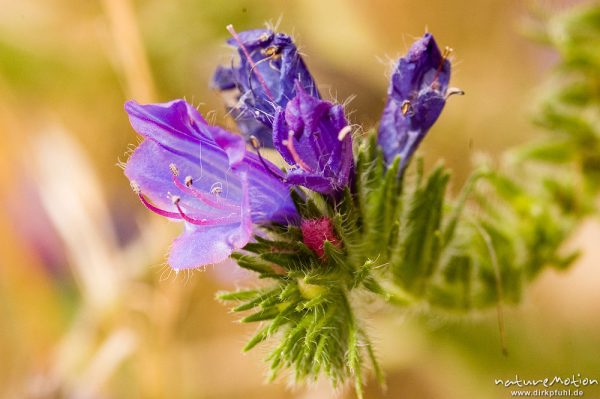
x: 130, y: 49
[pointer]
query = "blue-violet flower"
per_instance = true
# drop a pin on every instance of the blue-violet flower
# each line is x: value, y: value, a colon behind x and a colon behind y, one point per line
x: 188, y: 170
x: 416, y: 97
x: 314, y: 136
x: 268, y: 68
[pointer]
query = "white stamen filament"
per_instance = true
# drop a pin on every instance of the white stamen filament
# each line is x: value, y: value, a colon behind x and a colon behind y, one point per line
x: 344, y: 132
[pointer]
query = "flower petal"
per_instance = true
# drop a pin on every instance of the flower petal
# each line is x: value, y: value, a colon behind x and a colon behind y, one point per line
x: 314, y: 182
x: 223, y: 79
x: 270, y: 199
x: 170, y: 124
x: 198, y: 247
x: 233, y: 145
x: 177, y: 126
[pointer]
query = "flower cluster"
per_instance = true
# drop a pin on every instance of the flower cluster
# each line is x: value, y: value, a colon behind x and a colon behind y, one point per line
x: 224, y: 192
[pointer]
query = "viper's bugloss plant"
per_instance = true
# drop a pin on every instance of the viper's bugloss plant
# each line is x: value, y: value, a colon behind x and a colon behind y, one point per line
x: 348, y: 219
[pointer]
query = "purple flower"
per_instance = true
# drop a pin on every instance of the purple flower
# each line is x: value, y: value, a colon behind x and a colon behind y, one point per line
x: 416, y: 97
x: 268, y: 69
x: 190, y: 171
x: 314, y: 136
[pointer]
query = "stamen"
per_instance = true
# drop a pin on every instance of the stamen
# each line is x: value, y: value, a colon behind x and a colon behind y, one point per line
x: 208, y: 200
x: 344, y: 132
x: 256, y: 145
x: 252, y: 70
x: 254, y: 142
x: 180, y: 214
x: 454, y: 91
x: 250, y: 61
x: 289, y: 143
x: 272, y: 52
x: 135, y: 187
x: 406, y: 108
x: 216, y: 188
x: 188, y: 181
x: 158, y: 211
x: 445, y: 54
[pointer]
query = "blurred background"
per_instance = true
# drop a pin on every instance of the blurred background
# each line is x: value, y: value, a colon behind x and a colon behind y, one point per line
x: 88, y: 307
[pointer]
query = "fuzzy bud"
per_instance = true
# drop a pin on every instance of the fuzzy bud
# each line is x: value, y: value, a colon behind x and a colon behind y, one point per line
x: 316, y: 231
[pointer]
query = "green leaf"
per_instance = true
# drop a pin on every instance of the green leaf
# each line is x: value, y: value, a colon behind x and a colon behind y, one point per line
x: 237, y: 295
x: 415, y: 259
x: 555, y: 151
x: 256, y: 264
x: 265, y: 314
x: 259, y: 337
